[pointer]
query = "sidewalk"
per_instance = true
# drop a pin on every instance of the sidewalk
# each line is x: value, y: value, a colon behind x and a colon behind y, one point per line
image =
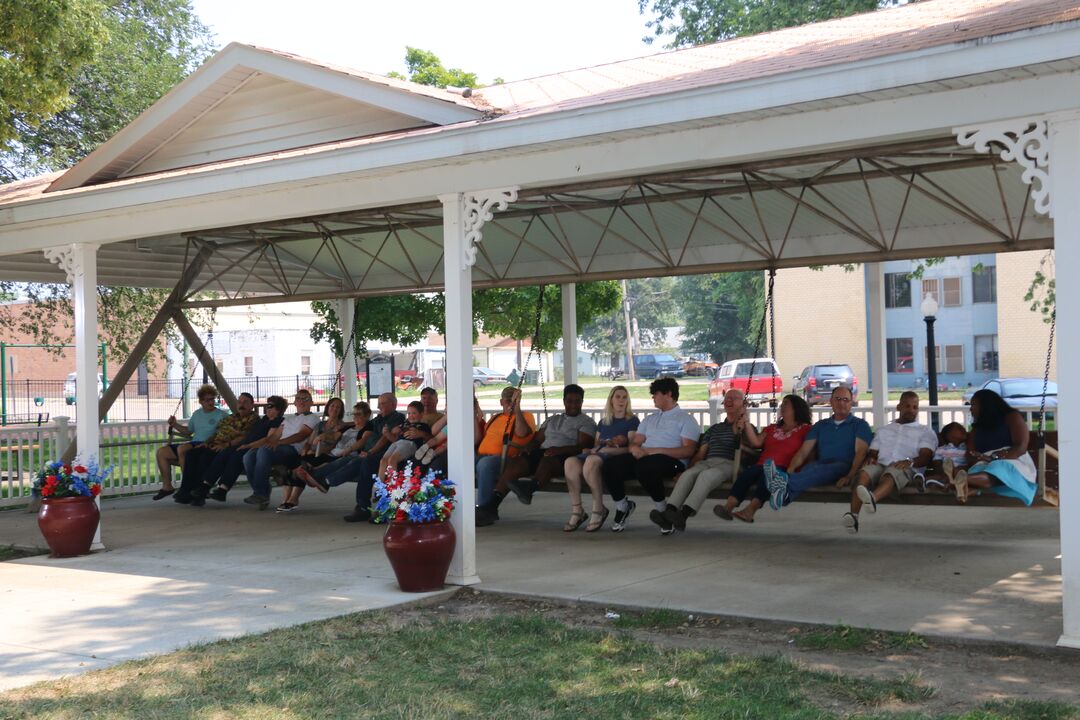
x: 175, y: 575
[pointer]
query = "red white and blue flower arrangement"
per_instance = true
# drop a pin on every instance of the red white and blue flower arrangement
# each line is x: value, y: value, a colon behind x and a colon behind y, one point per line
x: 413, y: 495
x: 78, y: 479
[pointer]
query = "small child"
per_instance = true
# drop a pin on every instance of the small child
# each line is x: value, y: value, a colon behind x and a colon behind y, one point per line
x: 405, y: 448
x: 950, y: 456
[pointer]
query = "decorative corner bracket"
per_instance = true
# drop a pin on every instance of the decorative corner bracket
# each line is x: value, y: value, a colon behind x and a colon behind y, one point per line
x: 479, y: 207
x: 1024, y: 140
x: 64, y: 256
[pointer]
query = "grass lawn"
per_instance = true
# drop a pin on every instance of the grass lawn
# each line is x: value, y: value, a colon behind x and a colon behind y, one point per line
x: 422, y: 665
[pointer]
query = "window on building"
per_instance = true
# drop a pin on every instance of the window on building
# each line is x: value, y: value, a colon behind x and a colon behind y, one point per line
x: 900, y: 355
x: 305, y: 364
x: 897, y: 290
x: 932, y: 287
x: 984, y: 285
x: 249, y: 365
x: 142, y: 379
x: 954, y: 358
x: 220, y: 363
x: 953, y: 361
x: 952, y: 292
x: 986, y: 353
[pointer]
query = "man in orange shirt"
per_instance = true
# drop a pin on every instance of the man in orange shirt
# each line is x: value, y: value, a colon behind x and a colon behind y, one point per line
x: 512, y: 429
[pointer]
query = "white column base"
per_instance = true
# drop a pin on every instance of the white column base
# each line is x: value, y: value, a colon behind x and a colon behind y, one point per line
x: 1068, y: 641
x: 463, y: 580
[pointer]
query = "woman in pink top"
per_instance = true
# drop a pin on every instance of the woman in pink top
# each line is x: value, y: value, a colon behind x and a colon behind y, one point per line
x: 780, y: 441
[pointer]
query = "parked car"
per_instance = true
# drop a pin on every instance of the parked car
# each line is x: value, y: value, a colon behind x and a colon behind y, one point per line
x: 1019, y: 392
x: 816, y: 382
x: 487, y: 376
x: 657, y: 365
x: 758, y: 378
x: 69, y: 388
x: 700, y: 368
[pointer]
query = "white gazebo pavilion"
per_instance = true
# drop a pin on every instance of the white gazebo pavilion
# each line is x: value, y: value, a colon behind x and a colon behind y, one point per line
x: 942, y: 127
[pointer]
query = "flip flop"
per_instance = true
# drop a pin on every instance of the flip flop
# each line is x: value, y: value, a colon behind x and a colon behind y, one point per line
x: 162, y: 494
x: 738, y: 516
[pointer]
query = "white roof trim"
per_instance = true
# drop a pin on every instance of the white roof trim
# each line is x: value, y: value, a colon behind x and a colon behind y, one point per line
x: 229, y: 70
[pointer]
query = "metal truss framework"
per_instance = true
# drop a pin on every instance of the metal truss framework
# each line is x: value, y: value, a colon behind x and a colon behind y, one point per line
x: 760, y: 214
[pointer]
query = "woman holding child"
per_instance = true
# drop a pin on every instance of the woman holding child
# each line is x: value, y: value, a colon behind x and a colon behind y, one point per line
x: 779, y: 442
x: 612, y: 438
x: 998, y: 448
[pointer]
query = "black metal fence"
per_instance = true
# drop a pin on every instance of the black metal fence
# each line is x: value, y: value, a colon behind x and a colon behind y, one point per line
x: 148, y: 399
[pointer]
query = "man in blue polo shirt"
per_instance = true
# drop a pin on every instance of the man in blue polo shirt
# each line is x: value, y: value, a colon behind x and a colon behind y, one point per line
x: 842, y: 442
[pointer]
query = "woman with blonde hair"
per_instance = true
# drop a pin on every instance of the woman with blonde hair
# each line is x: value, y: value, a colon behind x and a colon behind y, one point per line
x: 612, y: 438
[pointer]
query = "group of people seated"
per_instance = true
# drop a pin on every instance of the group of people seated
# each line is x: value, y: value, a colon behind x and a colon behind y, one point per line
x: 306, y: 450
x: 513, y: 455
x: 787, y: 458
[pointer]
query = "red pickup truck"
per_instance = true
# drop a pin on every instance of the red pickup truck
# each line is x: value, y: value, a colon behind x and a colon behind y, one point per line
x: 765, y: 384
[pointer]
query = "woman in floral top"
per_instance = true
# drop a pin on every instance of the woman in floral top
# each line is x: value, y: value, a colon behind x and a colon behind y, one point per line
x: 780, y: 441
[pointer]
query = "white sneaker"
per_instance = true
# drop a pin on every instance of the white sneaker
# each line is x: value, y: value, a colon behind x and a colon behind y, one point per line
x: 851, y: 523
x: 864, y: 494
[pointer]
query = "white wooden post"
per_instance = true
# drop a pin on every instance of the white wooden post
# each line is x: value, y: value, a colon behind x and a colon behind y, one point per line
x: 878, y: 360
x: 1065, y: 190
x: 464, y: 215
x: 569, y: 332
x: 79, y: 261
x: 346, y: 308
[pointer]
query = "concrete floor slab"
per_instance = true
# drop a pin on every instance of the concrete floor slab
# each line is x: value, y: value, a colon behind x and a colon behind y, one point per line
x: 175, y: 575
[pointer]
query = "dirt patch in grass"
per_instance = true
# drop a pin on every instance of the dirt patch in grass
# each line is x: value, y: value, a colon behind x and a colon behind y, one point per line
x: 959, y: 675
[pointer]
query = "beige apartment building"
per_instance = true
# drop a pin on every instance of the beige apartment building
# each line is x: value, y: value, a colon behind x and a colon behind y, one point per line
x: 821, y: 317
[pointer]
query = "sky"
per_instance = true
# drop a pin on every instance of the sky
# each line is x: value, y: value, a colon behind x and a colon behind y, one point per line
x: 507, y: 39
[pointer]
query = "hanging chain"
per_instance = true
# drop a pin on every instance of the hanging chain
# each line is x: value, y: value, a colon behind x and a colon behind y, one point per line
x: 539, y: 365
x: 1046, y: 376
x: 766, y: 314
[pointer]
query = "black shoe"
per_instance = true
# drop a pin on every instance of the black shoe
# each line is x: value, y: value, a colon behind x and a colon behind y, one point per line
x: 197, y: 501
x: 486, y: 515
x: 162, y: 494
x: 679, y: 516
x: 219, y: 493
x: 660, y: 518
x: 621, y: 516
x: 359, y: 514
x: 182, y: 497
x: 200, y: 492
x: 524, y: 488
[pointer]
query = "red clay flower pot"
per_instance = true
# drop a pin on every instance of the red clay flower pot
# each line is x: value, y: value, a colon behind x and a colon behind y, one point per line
x: 420, y: 554
x: 68, y: 524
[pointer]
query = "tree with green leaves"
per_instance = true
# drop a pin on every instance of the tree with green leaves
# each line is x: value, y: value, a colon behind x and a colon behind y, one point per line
x: 721, y: 313
x: 652, y: 309
x: 697, y: 22
x: 151, y: 46
x: 148, y: 47
x: 44, y: 44
x: 425, y: 68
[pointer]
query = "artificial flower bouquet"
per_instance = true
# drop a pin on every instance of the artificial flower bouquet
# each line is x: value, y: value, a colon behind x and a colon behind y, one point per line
x: 78, y: 479
x: 413, y: 495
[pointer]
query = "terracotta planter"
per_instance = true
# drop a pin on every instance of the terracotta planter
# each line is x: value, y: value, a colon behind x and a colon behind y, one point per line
x: 420, y: 554
x: 68, y: 524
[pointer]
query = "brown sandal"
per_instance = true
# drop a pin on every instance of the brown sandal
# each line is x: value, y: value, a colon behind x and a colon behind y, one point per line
x: 578, y: 517
x: 598, y: 520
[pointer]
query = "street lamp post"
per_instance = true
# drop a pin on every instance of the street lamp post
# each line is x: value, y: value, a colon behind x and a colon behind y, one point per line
x: 929, y: 308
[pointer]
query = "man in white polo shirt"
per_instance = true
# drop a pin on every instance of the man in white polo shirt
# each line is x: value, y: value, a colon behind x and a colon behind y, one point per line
x: 900, y: 450
x: 282, y: 448
x: 659, y: 451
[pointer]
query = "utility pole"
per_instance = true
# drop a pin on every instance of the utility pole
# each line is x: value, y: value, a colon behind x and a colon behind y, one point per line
x: 629, y: 334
